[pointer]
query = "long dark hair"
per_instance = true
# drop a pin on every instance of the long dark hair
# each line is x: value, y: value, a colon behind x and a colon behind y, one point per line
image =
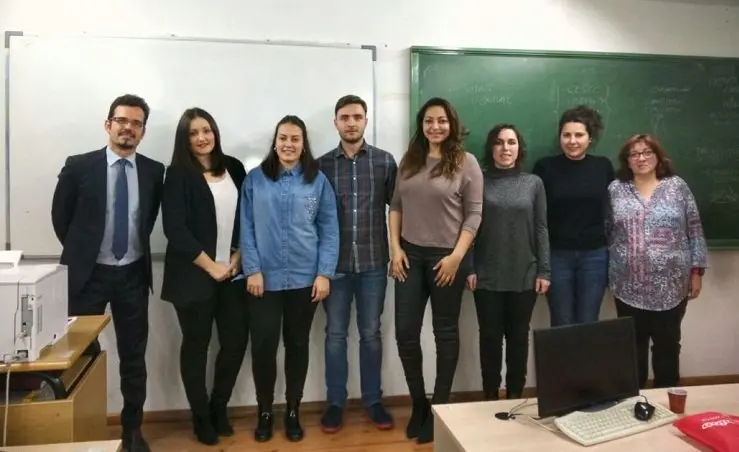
x: 271, y: 164
x: 452, y: 150
x: 664, y: 164
x: 488, y: 160
x: 182, y: 155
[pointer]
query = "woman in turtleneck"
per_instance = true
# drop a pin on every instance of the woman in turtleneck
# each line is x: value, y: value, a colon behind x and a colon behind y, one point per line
x: 511, y: 260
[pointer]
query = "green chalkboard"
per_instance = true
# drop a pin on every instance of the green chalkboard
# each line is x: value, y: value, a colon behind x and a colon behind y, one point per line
x: 690, y: 103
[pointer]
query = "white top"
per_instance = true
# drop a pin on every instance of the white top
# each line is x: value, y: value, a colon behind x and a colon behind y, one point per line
x: 225, y: 197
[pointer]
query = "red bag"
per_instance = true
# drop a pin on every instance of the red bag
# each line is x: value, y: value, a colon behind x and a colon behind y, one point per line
x: 718, y: 431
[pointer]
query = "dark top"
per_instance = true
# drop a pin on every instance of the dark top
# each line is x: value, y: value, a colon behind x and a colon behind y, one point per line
x: 512, y: 245
x: 364, y: 187
x: 577, y: 200
x: 189, y: 221
x: 79, y: 206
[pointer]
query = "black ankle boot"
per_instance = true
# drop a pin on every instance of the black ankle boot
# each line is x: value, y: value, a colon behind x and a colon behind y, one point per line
x: 265, y: 423
x: 293, y: 429
x: 203, y: 429
x: 426, y: 435
x: 421, y: 411
x: 219, y: 419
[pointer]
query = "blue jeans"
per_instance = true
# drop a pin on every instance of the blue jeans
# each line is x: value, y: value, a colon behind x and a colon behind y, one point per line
x: 369, y: 290
x: 579, y: 280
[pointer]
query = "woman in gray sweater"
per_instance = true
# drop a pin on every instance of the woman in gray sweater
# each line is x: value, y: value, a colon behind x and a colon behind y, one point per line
x: 511, y: 260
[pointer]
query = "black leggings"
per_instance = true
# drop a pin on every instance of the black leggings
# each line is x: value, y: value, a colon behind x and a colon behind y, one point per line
x: 294, y: 310
x: 411, y: 297
x: 664, y: 329
x: 499, y: 315
x: 228, y: 309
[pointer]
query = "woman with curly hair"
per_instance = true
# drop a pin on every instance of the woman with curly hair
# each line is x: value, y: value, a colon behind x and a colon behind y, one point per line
x: 434, y: 216
x: 576, y: 184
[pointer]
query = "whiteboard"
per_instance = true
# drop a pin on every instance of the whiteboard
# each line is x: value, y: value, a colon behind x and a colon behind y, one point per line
x: 61, y: 88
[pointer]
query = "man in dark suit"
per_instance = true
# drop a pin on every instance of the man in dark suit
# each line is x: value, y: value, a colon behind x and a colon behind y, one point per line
x: 103, y: 211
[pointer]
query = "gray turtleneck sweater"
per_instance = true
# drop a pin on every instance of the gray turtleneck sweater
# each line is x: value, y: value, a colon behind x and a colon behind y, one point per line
x: 512, y: 245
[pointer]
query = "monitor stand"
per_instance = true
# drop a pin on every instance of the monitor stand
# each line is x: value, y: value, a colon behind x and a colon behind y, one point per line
x: 599, y: 406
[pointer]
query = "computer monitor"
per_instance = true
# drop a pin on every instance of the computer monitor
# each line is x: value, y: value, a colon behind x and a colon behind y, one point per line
x: 585, y: 365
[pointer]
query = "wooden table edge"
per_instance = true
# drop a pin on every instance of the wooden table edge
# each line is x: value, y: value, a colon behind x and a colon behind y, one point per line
x: 43, y: 364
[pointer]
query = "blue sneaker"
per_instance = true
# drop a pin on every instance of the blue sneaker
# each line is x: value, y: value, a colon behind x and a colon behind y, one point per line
x: 380, y: 417
x: 332, y: 419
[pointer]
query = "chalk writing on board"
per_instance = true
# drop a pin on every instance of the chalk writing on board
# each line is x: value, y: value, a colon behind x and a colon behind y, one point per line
x: 492, y: 100
x: 717, y: 156
x: 723, y: 195
x: 595, y: 96
x: 730, y: 103
x: 669, y: 89
x: 724, y: 118
x: 661, y: 106
x: 480, y: 88
x: 723, y: 175
x: 656, y: 120
x: 429, y: 70
x: 723, y: 81
x: 585, y: 90
x: 731, y: 89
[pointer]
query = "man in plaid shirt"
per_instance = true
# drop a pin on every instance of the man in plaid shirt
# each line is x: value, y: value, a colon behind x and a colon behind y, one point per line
x: 363, y: 178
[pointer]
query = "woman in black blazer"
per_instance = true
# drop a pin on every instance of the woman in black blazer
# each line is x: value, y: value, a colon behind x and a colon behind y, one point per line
x: 202, y: 271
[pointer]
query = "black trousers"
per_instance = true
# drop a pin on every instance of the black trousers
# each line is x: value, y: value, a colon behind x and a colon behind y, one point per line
x: 228, y: 309
x: 294, y: 311
x: 127, y: 290
x: 411, y: 297
x: 499, y: 315
x: 664, y: 330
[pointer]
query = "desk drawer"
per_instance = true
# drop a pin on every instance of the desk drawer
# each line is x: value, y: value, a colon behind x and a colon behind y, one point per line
x: 80, y: 417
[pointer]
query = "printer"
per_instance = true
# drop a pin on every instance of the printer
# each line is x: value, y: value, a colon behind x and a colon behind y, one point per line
x: 33, y: 307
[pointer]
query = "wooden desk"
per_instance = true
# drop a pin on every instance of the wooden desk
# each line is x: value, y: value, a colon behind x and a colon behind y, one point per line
x: 67, y: 350
x: 90, y: 446
x: 80, y: 407
x: 472, y: 427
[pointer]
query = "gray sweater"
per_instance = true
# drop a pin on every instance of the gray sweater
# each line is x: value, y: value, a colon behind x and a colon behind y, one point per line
x: 512, y: 245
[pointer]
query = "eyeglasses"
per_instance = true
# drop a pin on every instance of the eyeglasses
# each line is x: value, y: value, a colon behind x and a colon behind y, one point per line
x: 646, y: 154
x: 123, y: 122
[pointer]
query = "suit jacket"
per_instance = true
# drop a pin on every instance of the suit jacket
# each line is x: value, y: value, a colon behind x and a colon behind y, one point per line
x: 78, y: 211
x: 189, y: 219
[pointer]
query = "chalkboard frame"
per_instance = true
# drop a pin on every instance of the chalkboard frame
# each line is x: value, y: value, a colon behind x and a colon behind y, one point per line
x: 416, y: 52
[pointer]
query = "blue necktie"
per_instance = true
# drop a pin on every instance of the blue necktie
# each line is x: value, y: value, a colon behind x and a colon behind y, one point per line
x: 120, y: 211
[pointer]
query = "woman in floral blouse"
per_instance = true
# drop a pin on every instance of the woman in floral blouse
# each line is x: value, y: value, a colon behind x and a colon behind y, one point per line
x: 657, y: 253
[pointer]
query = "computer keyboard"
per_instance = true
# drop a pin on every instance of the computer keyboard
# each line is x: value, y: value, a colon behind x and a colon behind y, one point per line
x: 618, y: 421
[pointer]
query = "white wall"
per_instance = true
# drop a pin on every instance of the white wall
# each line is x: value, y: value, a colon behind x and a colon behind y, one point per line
x: 710, y: 333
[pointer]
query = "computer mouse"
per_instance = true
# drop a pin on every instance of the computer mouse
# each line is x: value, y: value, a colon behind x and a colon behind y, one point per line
x: 643, y: 411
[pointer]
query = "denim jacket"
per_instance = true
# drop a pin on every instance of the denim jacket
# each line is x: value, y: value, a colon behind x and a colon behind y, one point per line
x: 289, y: 229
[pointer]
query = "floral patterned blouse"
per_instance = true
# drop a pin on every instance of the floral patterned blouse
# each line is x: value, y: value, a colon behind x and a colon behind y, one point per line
x: 654, y: 244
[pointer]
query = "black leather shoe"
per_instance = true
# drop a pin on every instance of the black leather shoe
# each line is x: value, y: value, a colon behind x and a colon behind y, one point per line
x: 219, y: 419
x: 293, y: 429
x: 134, y: 441
x: 263, y: 432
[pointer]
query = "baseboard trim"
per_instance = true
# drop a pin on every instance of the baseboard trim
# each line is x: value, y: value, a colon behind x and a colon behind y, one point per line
x: 392, y: 401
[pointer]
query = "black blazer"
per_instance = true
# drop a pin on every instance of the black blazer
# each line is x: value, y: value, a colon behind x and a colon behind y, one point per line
x: 78, y: 211
x: 189, y: 220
